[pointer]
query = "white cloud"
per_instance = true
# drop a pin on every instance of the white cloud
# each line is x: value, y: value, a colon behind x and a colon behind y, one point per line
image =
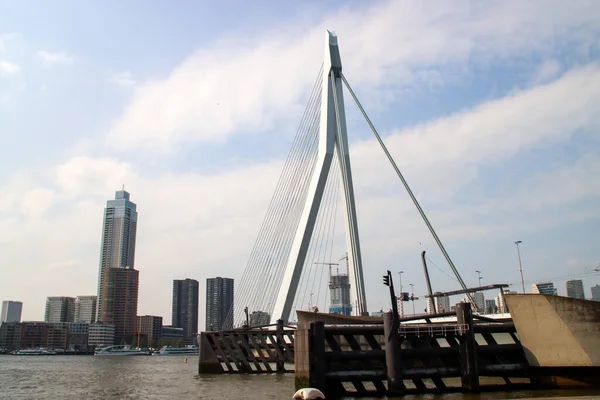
x: 547, y: 71
x: 249, y: 85
x: 5, y: 38
x: 51, y: 57
x: 7, y: 67
x: 123, y: 78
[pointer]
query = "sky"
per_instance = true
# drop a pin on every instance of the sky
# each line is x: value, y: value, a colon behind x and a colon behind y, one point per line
x: 490, y: 109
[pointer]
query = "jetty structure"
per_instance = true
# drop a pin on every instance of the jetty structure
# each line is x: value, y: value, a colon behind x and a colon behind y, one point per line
x: 545, y: 341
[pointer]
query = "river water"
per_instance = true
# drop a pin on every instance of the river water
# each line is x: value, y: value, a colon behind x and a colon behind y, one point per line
x: 153, y: 378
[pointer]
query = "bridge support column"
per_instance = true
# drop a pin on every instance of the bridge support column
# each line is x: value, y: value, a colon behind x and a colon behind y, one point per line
x: 317, y: 367
x: 468, y: 356
x: 280, y: 338
x: 393, y: 357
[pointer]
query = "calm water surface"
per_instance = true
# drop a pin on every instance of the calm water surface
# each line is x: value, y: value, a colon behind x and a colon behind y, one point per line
x: 89, y: 377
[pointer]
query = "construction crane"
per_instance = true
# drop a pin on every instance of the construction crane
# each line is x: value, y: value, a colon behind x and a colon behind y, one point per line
x: 330, y: 264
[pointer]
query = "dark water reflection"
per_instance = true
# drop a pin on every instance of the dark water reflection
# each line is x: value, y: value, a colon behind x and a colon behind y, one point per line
x: 89, y: 377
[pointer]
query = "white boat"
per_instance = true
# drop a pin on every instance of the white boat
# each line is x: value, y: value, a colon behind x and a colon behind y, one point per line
x: 177, y: 351
x: 120, y: 350
x: 35, y: 352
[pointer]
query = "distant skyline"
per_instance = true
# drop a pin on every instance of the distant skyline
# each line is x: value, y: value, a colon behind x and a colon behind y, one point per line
x: 490, y: 109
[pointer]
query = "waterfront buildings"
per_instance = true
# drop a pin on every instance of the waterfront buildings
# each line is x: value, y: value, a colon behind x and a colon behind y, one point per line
x: 150, y: 326
x: 172, y: 335
x: 543, y: 288
x: 501, y: 302
x: 479, y: 299
x: 596, y: 292
x: 34, y: 335
x: 85, y: 309
x: 442, y: 304
x: 490, y: 306
x: 60, y: 309
x: 117, y: 249
x: 219, y: 304
x: 101, y: 335
x: 575, y: 289
x: 120, y: 301
x: 184, y: 312
x: 10, y: 335
x: 339, y: 294
x: 11, y: 311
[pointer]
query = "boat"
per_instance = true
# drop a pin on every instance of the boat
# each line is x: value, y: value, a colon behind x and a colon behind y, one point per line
x: 120, y: 350
x: 176, y: 351
x: 35, y: 352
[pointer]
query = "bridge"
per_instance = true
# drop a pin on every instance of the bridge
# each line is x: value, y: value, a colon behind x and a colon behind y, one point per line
x: 285, y: 269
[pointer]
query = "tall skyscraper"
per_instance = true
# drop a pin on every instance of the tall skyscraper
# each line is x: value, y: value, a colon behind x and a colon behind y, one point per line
x: 219, y: 304
x: 596, y: 292
x: 442, y: 304
x: 85, y: 309
x: 120, y: 301
x: 339, y: 292
x: 11, y: 311
x: 543, y: 288
x: 575, y: 289
x: 118, y: 239
x: 184, y: 312
x: 60, y: 309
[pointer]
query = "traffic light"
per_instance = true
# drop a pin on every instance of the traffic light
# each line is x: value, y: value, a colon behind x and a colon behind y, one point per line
x: 386, y: 280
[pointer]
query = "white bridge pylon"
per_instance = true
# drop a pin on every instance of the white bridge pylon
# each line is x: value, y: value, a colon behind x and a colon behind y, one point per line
x: 332, y: 137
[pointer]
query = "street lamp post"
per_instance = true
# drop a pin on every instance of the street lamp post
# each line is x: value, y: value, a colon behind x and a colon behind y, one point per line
x: 401, y: 296
x: 412, y: 297
x: 520, y: 265
x: 479, y: 277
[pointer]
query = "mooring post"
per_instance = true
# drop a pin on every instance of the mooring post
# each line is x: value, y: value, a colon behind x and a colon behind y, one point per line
x: 393, y: 358
x: 279, y: 329
x: 316, y: 344
x: 468, y: 357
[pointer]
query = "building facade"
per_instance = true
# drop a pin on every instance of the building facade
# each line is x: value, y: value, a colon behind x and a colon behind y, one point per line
x: 543, y: 288
x: 34, y: 335
x: 101, y: 335
x: 501, y: 302
x: 11, y: 311
x: 85, y: 309
x: 120, y: 302
x: 151, y: 327
x: 10, y: 335
x: 339, y: 295
x: 119, y: 229
x: 596, y: 293
x: 442, y: 304
x: 219, y: 304
x: 184, y: 312
x: 575, y: 289
x: 60, y: 309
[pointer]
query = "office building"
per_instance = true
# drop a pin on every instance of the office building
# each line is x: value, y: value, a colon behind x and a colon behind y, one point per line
x: 11, y: 311
x: 58, y: 333
x: 150, y: 326
x: 101, y: 335
x: 117, y: 248
x: 490, y: 306
x: 479, y: 299
x: 575, y: 289
x: 10, y: 335
x: 78, y: 335
x: 543, y: 288
x: 339, y: 292
x: 34, y: 335
x: 442, y: 304
x: 219, y: 304
x: 85, y: 309
x: 184, y: 311
x: 596, y: 292
x: 60, y: 309
x: 120, y: 302
x: 501, y: 302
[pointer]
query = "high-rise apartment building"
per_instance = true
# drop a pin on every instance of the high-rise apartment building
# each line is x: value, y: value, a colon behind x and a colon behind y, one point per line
x: 479, y: 299
x: 219, y: 304
x: 501, y: 302
x: 596, y: 292
x: 184, y: 312
x: 120, y: 301
x: 11, y: 311
x: 118, y: 239
x: 543, y: 288
x: 575, y: 289
x: 442, y: 304
x: 339, y: 295
x: 85, y: 309
x: 60, y: 309
x: 151, y: 327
